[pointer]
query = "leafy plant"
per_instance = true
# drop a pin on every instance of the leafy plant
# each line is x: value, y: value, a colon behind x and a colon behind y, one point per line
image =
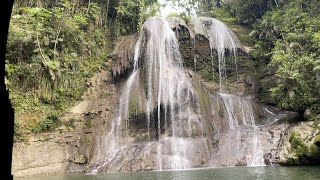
x: 131, y: 14
x: 53, y: 48
x: 289, y: 36
x: 297, y: 144
x: 46, y: 124
x: 17, y: 132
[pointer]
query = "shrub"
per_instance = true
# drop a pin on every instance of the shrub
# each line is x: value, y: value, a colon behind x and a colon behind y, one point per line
x: 46, y: 124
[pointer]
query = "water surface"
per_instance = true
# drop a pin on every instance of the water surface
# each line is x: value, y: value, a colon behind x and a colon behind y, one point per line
x: 238, y: 173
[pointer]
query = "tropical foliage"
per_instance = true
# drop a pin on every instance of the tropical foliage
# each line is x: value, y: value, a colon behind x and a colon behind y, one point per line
x: 50, y: 54
x: 55, y: 46
x: 289, y: 36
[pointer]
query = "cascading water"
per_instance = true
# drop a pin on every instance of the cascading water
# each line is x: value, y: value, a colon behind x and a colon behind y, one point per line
x: 169, y: 104
x: 222, y: 42
x: 241, y: 120
x: 168, y: 120
x: 168, y: 87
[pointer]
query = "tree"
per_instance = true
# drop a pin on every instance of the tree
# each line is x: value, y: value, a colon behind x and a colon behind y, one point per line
x: 291, y: 35
x: 248, y: 11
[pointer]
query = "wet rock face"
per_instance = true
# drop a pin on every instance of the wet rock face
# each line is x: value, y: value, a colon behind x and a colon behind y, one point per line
x: 266, y: 80
x: 123, y: 54
x: 146, y: 157
x: 237, y: 147
x: 252, y: 83
x: 180, y: 28
x: 244, y: 133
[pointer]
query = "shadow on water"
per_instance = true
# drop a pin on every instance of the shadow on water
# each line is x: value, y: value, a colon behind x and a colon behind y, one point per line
x: 239, y: 173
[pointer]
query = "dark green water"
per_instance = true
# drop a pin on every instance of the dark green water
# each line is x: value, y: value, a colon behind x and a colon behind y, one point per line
x: 238, y: 173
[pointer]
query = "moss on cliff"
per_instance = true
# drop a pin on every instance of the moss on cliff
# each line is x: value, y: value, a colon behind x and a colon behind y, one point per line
x: 303, y: 150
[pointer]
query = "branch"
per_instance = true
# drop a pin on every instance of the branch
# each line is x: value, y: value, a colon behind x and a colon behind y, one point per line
x: 88, y: 6
x: 56, y: 40
x: 107, y: 10
x: 38, y: 42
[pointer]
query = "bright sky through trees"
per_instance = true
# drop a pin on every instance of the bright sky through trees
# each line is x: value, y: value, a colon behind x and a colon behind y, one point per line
x: 168, y: 8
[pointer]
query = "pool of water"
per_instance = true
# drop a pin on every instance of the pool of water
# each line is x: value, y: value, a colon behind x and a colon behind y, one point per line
x: 238, y: 173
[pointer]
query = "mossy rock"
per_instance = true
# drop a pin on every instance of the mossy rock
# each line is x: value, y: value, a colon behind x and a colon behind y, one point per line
x: 303, y: 153
x: 135, y: 106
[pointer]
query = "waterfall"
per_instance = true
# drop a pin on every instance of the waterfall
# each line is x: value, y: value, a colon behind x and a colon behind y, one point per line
x: 223, y: 42
x: 240, y: 132
x: 168, y: 120
x: 169, y: 103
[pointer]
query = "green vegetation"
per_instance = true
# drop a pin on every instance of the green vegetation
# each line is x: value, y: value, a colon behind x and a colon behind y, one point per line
x: 132, y: 13
x: 135, y: 106
x: 50, y: 54
x: 285, y: 36
x: 288, y: 37
x: 55, y: 46
x: 297, y: 144
x: 46, y: 124
x: 303, y: 153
